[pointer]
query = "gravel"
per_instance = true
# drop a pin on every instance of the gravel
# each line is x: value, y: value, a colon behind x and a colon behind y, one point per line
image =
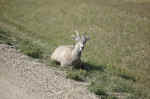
x: 22, y: 77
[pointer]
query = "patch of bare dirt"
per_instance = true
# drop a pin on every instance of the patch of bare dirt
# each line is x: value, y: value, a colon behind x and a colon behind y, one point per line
x: 24, y: 78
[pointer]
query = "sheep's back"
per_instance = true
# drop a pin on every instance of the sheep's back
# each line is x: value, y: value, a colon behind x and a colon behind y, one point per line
x: 62, y: 53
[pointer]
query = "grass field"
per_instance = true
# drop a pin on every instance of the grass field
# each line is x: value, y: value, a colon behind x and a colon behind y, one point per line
x: 117, y: 54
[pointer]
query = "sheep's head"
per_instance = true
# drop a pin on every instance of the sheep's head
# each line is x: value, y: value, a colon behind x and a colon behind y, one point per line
x: 80, y: 39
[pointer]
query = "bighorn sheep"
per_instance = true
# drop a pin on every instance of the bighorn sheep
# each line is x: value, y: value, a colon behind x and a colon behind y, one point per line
x: 70, y: 54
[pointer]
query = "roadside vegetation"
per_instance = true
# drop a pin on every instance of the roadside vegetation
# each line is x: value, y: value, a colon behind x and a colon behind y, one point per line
x: 116, y: 60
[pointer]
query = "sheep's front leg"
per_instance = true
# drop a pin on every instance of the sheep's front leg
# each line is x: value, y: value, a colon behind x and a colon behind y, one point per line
x: 65, y: 63
x: 62, y: 64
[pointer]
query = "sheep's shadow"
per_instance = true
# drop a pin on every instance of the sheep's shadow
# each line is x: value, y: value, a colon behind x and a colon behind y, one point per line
x: 91, y: 67
x: 85, y: 66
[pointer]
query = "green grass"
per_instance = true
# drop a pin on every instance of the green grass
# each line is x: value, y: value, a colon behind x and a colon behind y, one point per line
x: 4, y: 37
x: 79, y: 75
x: 31, y: 49
x: 116, y: 59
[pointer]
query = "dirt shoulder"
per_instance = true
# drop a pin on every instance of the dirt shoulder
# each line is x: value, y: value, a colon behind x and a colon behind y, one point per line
x: 24, y: 78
